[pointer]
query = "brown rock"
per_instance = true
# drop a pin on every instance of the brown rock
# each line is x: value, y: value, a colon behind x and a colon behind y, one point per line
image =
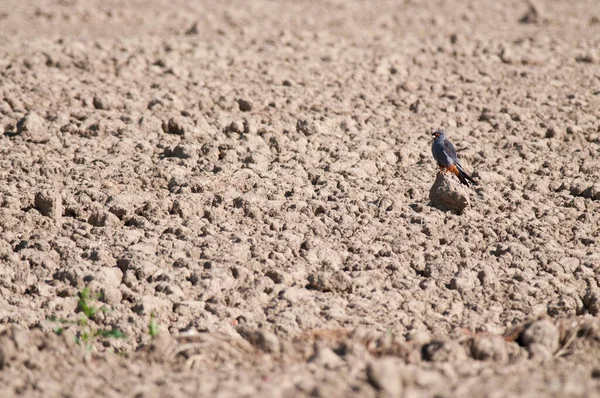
x: 541, y: 338
x: 32, y: 128
x: 49, y: 203
x: 448, y: 194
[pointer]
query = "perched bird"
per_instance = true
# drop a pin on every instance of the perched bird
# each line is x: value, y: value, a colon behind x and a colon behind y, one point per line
x: 445, y: 156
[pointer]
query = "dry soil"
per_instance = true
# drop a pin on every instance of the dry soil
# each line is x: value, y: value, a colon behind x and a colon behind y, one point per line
x: 253, y: 178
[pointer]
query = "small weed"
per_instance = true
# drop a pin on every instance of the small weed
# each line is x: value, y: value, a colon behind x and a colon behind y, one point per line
x: 153, y: 326
x: 85, y: 335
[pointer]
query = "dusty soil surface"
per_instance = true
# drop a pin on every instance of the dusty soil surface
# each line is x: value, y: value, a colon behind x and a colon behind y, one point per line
x: 253, y: 178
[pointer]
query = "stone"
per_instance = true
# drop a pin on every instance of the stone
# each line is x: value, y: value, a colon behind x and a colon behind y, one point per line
x: 541, y: 338
x: 102, y: 218
x: 49, y: 204
x: 245, y: 105
x: 448, y: 194
x: 591, y: 302
x: 32, y: 128
x: 101, y: 103
x: 463, y: 281
x: 443, y: 351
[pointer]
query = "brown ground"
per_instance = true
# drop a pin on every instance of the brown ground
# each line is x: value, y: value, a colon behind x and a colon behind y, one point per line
x: 257, y: 176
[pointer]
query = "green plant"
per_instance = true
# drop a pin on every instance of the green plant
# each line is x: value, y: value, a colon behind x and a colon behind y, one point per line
x: 153, y: 326
x: 85, y: 333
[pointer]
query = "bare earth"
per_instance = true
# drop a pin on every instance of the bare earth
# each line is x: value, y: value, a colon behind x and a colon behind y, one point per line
x: 256, y: 174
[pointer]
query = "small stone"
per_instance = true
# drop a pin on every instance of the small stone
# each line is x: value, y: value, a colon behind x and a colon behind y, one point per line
x: 443, y: 351
x: 120, y: 205
x: 588, y: 58
x: 385, y: 375
x: 101, y: 103
x: 553, y: 132
x: 49, y: 204
x: 102, y: 218
x: 32, y: 128
x: 507, y: 56
x: 181, y: 151
x: 337, y: 281
x: 305, y: 127
x: 541, y: 338
x: 262, y: 339
x: 448, y: 194
x: 489, y: 347
x: 592, y: 192
x: 279, y: 276
x: 463, y: 281
x: 245, y: 105
x: 193, y: 30
x: 578, y: 186
x: 106, y: 282
x: 175, y: 125
x: 591, y: 302
x: 533, y: 14
x: 235, y: 127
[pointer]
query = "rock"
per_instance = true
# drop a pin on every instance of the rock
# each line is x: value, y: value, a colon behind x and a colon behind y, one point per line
x: 337, y: 281
x: 463, y: 281
x: 554, y: 132
x: 192, y: 30
x: 49, y: 204
x: 262, y: 339
x: 279, y: 276
x: 32, y: 128
x: 489, y: 347
x: 102, y: 218
x: 384, y: 374
x: 101, y: 103
x: 486, y: 275
x: 533, y: 14
x: 443, y: 351
x: 245, y: 105
x: 448, y: 194
x: 588, y: 58
x: 308, y: 128
x: 541, y: 338
x: 120, y: 205
x: 591, y: 302
x: 107, y: 281
x: 237, y: 126
x: 175, y: 125
x: 184, y: 150
x: 592, y: 192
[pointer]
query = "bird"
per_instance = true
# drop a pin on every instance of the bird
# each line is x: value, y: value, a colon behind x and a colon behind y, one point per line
x: 446, y: 158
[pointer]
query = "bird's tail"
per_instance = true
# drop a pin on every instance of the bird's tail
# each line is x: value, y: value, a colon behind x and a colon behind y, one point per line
x: 462, y: 175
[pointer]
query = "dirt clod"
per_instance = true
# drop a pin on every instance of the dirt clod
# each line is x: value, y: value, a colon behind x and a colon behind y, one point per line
x: 447, y: 194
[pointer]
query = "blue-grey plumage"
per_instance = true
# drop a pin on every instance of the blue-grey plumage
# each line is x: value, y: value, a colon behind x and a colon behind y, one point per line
x: 445, y: 155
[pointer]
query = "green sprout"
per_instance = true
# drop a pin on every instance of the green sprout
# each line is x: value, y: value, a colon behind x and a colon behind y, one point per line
x: 85, y: 334
x: 153, y: 326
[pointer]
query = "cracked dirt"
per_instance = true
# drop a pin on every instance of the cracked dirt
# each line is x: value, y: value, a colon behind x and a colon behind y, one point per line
x: 255, y: 175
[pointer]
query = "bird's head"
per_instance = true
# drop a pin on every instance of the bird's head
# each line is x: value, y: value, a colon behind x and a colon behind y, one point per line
x: 438, y: 135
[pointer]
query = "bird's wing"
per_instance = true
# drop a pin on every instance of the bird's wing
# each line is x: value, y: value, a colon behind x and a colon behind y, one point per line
x: 449, y: 148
